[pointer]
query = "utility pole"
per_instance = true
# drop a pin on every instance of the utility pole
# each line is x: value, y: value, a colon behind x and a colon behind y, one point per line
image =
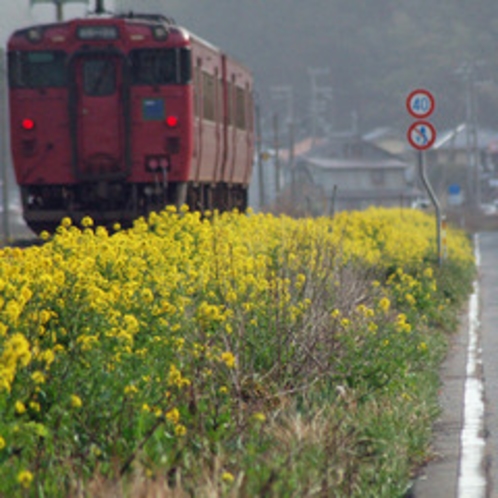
x: 276, y: 146
x: 286, y: 93
x: 4, y: 156
x: 467, y: 72
x: 261, y: 182
x: 318, y: 94
x: 59, y: 10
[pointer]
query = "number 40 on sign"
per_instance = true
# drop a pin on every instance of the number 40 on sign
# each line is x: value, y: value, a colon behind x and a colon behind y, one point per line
x: 420, y: 103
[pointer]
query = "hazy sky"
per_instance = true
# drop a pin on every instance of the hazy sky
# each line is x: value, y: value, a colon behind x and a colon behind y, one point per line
x: 15, y: 14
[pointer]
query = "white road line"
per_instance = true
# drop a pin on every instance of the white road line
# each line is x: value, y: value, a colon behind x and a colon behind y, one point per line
x: 472, y: 481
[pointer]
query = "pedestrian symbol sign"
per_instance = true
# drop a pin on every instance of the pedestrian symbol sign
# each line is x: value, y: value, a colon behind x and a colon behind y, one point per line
x: 421, y: 135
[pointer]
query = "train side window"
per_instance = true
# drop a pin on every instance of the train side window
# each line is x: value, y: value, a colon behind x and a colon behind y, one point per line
x: 240, y: 108
x: 216, y: 97
x: 185, y: 66
x: 229, y: 105
x: 208, y: 96
x: 37, y: 69
x: 153, y: 67
x: 197, y: 91
x: 219, y: 98
x: 99, y: 77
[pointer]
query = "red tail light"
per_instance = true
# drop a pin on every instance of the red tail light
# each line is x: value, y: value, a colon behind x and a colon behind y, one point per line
x: 153, y: 164
x: 172, y: 121
x: 28, y: 124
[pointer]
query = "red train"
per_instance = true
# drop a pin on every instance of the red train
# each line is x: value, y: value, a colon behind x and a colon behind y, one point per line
x: 116, y: 116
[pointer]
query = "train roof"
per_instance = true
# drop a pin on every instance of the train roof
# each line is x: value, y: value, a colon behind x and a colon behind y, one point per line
x: 148, y: 19
x: 130, y: 18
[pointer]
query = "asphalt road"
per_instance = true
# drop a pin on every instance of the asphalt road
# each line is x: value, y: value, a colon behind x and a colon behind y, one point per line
x: 468, y: 467
x: 489, y: 339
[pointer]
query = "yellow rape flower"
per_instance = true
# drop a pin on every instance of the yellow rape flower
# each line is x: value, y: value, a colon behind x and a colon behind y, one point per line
x: 231, y: 297
x: 180, y: 430
x: 45, y: 316
x: 227, y: 477
x: 35, y: 406
x: 259, y: 417
x: 335, y: 314
x: 175, y: 377
x: 428, y: 272
x: 401, y: 324
x: 87, y: 222
x: 384, y: 304
x: 147, y: 296
x: 38, y: 377
x: 228, y: 358
x: 19, y: 407
x: 131, y: 323
x: 76, y: 401
x: 131, y: 389
x: 410, y: 299
x: 66, y: 222
x: 24, y: 478
x: 47, y: 356
x: 2, y: 443
x: 173, y: 415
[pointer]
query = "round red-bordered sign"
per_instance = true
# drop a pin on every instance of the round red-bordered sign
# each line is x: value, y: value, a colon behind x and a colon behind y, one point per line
x: 420, y: 103
x: 421, y: 135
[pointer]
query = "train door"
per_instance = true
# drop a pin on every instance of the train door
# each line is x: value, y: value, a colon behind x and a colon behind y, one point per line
x: 241, y: 131
x: 198, y: 128
x: 98, y: 118
x: 210, y: 125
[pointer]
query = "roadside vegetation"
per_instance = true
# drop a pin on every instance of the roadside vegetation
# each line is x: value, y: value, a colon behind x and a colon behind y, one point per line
x: 226, y: 356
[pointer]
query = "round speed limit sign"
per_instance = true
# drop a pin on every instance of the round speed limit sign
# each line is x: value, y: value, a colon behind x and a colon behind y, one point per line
x: 420, y: 103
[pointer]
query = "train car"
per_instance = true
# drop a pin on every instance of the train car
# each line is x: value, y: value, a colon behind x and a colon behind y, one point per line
x: 115, y: 116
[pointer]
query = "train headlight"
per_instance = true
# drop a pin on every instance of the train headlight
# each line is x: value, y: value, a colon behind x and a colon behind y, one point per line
x: 172, y: 121
x: 34, y: 35
x: 160, y: 33
x: 28, y: 124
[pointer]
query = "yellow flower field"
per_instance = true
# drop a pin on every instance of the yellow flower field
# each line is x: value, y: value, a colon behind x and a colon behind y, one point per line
x: 172, y: 344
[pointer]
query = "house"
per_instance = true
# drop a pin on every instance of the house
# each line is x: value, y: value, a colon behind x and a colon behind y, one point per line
x: 465, y: 159
x: 348, y: 172
x: 390, y: 140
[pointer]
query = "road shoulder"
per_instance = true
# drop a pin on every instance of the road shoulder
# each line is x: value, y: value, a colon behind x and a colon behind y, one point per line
x: 439, y: 478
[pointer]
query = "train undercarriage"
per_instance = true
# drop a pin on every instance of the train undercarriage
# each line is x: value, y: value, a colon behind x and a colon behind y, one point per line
x: 108, y: 203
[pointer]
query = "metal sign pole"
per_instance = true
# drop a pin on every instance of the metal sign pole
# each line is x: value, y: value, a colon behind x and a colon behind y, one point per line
x: 435, y: 203
x: 421, y: 135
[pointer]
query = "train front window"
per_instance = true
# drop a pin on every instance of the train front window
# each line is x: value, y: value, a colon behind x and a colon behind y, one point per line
x: 37, y: 69
x: 157, y: 67
x: 99, y: 77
